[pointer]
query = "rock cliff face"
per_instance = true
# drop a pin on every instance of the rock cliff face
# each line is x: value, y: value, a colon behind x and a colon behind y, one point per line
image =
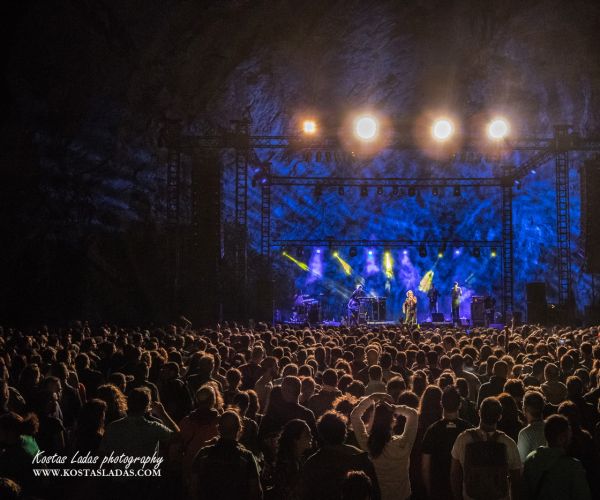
x: 89, y: 86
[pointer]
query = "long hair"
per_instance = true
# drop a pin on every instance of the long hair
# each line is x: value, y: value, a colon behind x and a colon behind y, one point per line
x: 115, y: 400
x: 430, y: 407
x: 381, y: 430
x: 289, y: 435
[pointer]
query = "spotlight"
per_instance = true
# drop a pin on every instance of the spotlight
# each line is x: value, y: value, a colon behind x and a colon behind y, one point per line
x: 318, y: 156
x: 493, y: 253
x: 379, y: 190
x: 352, y: 252
x: 456, y: 190
x: 370, y: 252
x: 457, y: 252
x: 364, y: 191
x: 412, y: 191
x: 395, y: 190
x: 319, y: 251
x: 422, y: 251
x: 404, y: 252
x: 335, y: 253
x: 341, y: 190
x: 327, y: 156
x: 442, y: 130
x: 318, y: 190
x: 533, y: 172
x: 441, y: 251
x: 435, y: 191
x: 476, y: 252
x: 498, y: 129
x: 309, y: 127
x: 307, y: 156
x: 365, y: 128
x: 300, y: 252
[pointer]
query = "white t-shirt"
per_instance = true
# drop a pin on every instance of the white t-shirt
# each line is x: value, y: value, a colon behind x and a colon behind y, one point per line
x: 512, y: 452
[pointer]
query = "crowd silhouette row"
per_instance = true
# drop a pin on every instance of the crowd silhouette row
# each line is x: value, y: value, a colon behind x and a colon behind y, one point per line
x: 290, y: 413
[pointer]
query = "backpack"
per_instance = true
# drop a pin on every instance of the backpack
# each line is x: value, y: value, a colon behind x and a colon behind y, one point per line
x: 485, y: 468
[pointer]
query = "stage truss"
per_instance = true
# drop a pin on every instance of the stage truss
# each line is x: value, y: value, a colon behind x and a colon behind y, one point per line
x: 240, y: 139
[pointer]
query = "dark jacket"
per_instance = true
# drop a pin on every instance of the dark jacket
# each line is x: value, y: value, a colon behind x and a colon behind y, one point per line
x: 227, y: 471
x: 550, y: 474
x: 324, y: 472
x: 492, y: 388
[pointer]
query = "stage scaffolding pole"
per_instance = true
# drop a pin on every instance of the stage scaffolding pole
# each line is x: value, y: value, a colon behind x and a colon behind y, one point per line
x: 507, y: 246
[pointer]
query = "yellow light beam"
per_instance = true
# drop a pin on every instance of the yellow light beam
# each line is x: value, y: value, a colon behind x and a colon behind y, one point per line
x: 301, y: 265
x: 388, y: 265
x: 426, y: 281
x: 347, y: 268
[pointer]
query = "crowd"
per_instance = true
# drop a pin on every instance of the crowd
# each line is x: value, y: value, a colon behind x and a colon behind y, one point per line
x: 391, y: 413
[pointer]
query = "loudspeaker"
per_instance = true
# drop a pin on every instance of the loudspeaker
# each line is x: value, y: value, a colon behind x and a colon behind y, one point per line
x: 537, y: 308
x: 437, y: 317
x: 477, y: 311
x: 536, y: 292
x: 590, y: 208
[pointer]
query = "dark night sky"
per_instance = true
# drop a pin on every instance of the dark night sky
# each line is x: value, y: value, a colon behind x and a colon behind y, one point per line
x: 88, y: 87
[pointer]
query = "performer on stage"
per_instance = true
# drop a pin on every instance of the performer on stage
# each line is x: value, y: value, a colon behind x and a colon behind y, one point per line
x: 433, y: 296
x: 409, y: 308
x: 456, y: 297
x: 354, y: 305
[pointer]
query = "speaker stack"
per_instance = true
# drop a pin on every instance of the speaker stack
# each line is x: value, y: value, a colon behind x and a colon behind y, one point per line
x: 537, y: 307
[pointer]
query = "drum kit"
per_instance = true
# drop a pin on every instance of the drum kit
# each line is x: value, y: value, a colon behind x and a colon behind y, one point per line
x: 306, y: 310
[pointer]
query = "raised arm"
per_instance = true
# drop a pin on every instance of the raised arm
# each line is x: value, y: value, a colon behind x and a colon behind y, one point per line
x: 360, y: 429
x: 412, y: 421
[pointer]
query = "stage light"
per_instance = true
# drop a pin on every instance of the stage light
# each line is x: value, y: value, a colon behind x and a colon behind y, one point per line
x: 341, y: 191
x: 395, y: 190
x: 435, y: 191
x: 493, y: 253
x: 412, y: 191
x: 498, y: 129
x: 318, y: 250
x: 379, y: 190
x: 365, y: 128
x: 309, y: 127
x: 318, y: 156
x: 404, y: 252
x: 345, y: 266
x: 301, y: 265
x: 456, y: 190
x: 364, y: 191
x: 318, y: 190
x: 327, y: 156
x: 442, y: 129
x: 352, y: 252
x: 299, y: 252
x: 388, y: 265
x: 440, y: 255
x: 533, y: 172
x: 476, y: 252
x: 422, y: 251
x: 457, y: 252
x: 370, y: 252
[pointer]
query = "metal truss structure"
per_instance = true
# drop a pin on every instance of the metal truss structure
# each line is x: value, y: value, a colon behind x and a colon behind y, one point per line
x: 541, y: 150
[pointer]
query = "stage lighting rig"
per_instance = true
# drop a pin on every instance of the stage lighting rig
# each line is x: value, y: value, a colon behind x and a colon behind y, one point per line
x: 309, y: 127
x: 353, y: 252
x: 364, y: 191
x: 366, y: 128
x: 442, y: 129
x: 422, y: 251
x: 498, y: 129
